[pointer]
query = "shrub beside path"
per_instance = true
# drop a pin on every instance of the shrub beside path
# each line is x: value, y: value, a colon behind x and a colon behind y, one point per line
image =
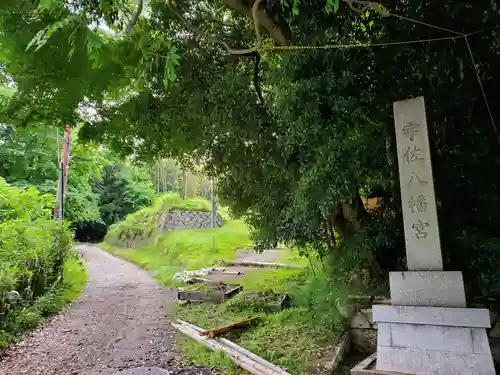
x: 118, y: 323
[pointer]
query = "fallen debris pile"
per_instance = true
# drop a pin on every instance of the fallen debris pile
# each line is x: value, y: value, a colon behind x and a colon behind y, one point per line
x: 188, y: 276
x: 242, y: 357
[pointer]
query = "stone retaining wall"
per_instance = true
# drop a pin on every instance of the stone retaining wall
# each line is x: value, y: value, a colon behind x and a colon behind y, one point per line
x: 178, y: 219
x: 175, y: 219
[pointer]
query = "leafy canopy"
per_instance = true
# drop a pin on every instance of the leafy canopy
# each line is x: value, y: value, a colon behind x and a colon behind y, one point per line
x: 295, y: 164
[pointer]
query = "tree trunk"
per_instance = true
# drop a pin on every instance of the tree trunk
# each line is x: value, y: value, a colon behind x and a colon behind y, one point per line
x: 346, y: 217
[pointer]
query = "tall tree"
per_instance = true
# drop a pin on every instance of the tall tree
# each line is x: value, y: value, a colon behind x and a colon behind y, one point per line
x: 29, y: 158
x: 292, y: 151
x: 122, y: 190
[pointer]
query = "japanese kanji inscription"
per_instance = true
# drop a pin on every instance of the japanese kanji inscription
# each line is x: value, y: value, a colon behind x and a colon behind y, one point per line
x: 423, y: 248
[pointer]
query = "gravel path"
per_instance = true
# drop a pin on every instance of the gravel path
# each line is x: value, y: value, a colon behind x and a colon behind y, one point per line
x: 118, y: 323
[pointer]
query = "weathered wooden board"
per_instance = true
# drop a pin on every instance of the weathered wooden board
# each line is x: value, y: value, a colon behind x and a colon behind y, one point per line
x: 215, y: 295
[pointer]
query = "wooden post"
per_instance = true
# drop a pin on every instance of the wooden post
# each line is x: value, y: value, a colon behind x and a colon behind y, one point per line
x: 62, y: 183
x: 185, y: 183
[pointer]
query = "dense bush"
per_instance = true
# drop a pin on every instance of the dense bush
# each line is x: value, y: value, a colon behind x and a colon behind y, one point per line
x: 144, y: 222
x: 33, y: 250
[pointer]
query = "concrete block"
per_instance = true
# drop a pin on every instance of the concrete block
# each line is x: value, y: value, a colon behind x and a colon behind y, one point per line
x: 340, y: 351
x: 480, y: 342
x: 440, y: 316
x: 364, y: 340
x: 367, y: 367
x: 363, y: 319
x: 384, y: 334
x: 420, y: 361
x: 449, y: 339
x: 427, y: 288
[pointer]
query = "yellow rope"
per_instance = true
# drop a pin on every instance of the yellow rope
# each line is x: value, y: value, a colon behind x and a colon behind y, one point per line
x: 360, y: 45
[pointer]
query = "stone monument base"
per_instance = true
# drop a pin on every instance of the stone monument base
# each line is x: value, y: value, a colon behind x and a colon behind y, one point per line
x: 433, y: 340
x: 428, y: 330
x: 368, y: 367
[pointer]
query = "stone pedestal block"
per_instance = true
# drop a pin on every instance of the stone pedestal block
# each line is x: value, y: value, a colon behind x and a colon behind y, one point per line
x: 433, y: 340
x: 427, y: 288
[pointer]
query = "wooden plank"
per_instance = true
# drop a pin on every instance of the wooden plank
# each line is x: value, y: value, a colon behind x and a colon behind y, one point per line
x: 216, y: 296
x: 241, y: 350
x: 340, y: 351
x: 228, y: 327
x: 364, y: 365
x: 232, y: 292
x: 241, y: 361
x: 241, y: 357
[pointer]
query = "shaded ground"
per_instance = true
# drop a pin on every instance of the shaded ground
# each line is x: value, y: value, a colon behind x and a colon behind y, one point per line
x: 118, y: 323
x: 267, y: 256
x: 246, y: 255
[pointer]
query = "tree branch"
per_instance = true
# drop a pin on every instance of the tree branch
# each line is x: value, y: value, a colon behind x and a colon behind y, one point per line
x: 220, y: 41
x: 264, y: 19
x: 135, y: 17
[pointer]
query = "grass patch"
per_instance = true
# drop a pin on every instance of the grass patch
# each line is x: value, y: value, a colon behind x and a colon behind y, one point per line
x: 73, y: 282
x: 279, y: 280
x: 293, y: 257
x: 186, y: 249
x: 194, y: 350
x: 300, y: 339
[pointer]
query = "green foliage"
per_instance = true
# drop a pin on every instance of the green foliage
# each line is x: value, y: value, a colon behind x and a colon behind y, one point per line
x: 296, y: 338
x: 122, y: 190
x: 88, y: 60
x: 184, y: 249
x: 29, y: 157
x: 144, y: 222
x: 73, y: 281
x: 6, y: 93
x: 21, y: 204
x: 98, y: 191
x: 62, y: 66
x: 295, y: 164
x: 201, y: 354
x: 33, y: 252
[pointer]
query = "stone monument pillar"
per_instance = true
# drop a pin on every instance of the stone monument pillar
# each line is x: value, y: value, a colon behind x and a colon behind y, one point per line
x: 428, y: 329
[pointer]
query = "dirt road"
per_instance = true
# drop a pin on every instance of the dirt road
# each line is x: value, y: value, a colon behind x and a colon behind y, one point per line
x: 118, y: 323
